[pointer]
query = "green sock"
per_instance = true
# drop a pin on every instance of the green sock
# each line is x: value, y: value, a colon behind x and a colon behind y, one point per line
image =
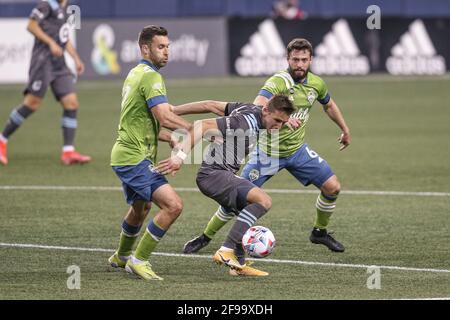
x: 325, y: 207
x: 218, y: 220
x: 149, y: 240
x: 128, y: 237
x: 126, y: 245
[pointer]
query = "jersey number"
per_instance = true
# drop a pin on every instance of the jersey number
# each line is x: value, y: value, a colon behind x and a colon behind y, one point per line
x: 313, y: 154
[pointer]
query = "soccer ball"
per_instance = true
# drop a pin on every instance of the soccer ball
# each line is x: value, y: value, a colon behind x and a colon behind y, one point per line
x: 258, y: 242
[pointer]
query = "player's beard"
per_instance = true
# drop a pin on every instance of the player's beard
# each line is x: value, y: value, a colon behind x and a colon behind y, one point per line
x: 297, y: 75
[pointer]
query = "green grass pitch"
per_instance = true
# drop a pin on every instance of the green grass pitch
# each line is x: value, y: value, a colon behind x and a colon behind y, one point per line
x: 401, y: 142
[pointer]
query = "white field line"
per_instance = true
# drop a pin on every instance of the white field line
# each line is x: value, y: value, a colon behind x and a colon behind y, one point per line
x: 295, y: 262
x: 284, y: 191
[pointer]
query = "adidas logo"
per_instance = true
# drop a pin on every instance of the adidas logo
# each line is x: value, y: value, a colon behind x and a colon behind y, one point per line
x: 264, y: 54
x: 415, y: 53
x: 338, y: 53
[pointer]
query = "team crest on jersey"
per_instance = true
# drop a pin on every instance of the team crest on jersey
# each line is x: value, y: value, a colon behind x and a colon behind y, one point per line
x: 311, y: 96
x: 36, y: 86
x: 253, y: 175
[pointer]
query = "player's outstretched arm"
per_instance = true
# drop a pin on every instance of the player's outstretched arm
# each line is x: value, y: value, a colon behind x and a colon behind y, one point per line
x: 216, y: 107
x: 34, y: 28
x: 335, y: 114
x: 195, y: 134
x: 168, y: 119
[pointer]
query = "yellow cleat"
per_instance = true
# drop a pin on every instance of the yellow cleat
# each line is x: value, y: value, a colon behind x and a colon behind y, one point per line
x: 228, y: 258
x: 142, y: 269
x: 248, y: 271
x: 116, y: 262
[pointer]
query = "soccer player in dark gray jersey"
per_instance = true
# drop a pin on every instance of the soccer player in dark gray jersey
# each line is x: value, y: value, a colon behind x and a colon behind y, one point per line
x: 48, y: 68
x: 240, y: 128
x: 217, y: 177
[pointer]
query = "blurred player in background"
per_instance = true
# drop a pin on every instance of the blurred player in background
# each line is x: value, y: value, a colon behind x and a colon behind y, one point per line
x: 48, y: 68
x: 235, y: 135
x: 292, y: 153
x: 145, y: 109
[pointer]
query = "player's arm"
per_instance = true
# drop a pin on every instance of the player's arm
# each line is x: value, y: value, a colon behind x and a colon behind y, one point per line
x: 34, y: 28
x: 200, y: 129
x: 74, y: 54
x: 335, y: 114
x: 166, y: 136
x: 167, y: 118
x: 216, y: 107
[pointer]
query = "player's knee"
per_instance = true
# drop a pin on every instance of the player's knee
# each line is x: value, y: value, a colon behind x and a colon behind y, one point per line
x: 266, y: 202
x: 333, y: 189
x: 32, y: 102
x: 175, y: 208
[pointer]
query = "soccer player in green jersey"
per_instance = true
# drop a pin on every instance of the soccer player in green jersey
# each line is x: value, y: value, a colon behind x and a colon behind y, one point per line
x: 288, y: 150
x: 145, y: 109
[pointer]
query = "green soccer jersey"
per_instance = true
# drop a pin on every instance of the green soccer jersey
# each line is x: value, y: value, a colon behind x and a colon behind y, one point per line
x: 138, y: 131
x: 303, y: 94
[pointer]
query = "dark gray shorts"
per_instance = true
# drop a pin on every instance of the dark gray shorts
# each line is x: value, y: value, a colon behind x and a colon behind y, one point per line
x: 229, y: 190
x: 43, y: 74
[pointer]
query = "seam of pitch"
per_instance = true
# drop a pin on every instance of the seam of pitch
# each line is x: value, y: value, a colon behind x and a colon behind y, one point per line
x: 282, y: 191
x: 299, y: 262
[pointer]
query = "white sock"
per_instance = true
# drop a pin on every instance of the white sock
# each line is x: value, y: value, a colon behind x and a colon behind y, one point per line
x: 226, y: 249
x: 3, y: 139
x: 68, y: 148
x: 135, y: 260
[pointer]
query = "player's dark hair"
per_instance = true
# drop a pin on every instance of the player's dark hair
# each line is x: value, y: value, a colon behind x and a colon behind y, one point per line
x: 281, y: 103
x: 147, y: 34
x: 299, y: 44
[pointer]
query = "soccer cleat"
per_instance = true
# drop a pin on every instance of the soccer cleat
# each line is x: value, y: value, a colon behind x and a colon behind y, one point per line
x: 248, y: 271
x: 321, y: 236
x: 228, y: 258
x: 3, y: 153
x: 116, y: 262
x: 196, y: 244
x: 142, y: 269
x: 73, y: 157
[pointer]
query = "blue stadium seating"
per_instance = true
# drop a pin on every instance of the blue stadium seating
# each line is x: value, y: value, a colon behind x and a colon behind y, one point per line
x: 243, y: 8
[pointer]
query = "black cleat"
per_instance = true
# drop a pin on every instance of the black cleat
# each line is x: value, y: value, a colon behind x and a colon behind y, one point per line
x: 196, y: 244
x: 321, y: 236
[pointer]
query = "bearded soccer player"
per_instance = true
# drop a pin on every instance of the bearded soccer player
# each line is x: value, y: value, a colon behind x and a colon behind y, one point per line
x: 292, y: 152
x: 48, y: 68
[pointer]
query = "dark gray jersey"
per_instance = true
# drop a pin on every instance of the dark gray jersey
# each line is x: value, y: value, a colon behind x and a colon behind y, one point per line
x: 239, y: 128
x: 52, y: 19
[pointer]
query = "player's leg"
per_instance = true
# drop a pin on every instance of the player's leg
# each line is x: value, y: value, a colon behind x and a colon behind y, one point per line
x: 64, y: 91
x: 256, y: 171
x: 308, y: 167
x: 325, y: 206
x: 170, y: 205
x: 30, y: 104
x: 131, y: 227
x: 231, y: 253
x: 39, y: 79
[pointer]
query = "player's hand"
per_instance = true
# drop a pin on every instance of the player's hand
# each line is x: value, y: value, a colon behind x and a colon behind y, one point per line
x: 293, y: 123
x: 56, y: 50
x: 80, y: 67
x: 344, y: 140
x: 171, y: 165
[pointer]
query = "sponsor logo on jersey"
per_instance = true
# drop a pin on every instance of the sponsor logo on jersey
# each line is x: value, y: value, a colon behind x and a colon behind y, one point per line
x: 415, y: 53
x: 338, y: 53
